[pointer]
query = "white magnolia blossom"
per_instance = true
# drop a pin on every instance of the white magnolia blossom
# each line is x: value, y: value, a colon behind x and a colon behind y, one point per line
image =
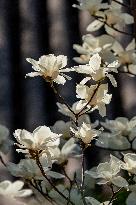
x: 42, y: 140
x: 93, y: 6
x: 121, y: 136
x: 126, y: 56
x: 69, y: 149
x: 93, y: 201
x: 91, y: 45
x: 111, y: 18
x: 115, y: 16
x: 129, y: 163
x: 121, y: 126
x: 51, y: 67
x: 98, y: 72
x: 85, y: 133
x: 113, y: 141
x: 95, y: 101
x: 13, y: 191
x: 107, y: 173
x: 28, y: 169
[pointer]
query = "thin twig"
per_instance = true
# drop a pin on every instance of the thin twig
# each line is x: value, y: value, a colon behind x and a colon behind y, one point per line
x: 123, y: 32
x: 48, y: 198
x: 69, y: 195
x: 71, y: 184
x: 114, y: 194
x: 63, y: 100
x: 50, y: 182
x: 123, y: 4
x: 79, y: 113
x: 83, y: 177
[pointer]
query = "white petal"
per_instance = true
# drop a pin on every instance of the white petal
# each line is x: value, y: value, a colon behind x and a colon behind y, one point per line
x: 94, y: 26
x: 60, y: 80
x: 85, y: 80
x: 33, y: 74
x: 131, y: 45
x: 95, y: 62
x: 34, y: 63
x: 120, y: 181
x: 112, y: 80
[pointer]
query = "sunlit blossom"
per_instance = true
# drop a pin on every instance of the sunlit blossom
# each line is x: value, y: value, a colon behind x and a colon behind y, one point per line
x: 50, y: 67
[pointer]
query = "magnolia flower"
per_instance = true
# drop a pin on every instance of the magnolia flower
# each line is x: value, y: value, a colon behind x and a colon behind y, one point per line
x: 113, y: 141
x: 85, y: 133
x: 114, y: 16
x: 50, y: 67
x: 129, y: 163
x: 95, y: 96
x: 126, y: 56
x: 93, y: 201
x: 42, y: 140
x: 93, y: 6
x: 111, y: 18
x: 91, y: 45
x: 13, y: 190
x: 121, y: 136
x: 107, y: 172
x: 69, y: 149
x: 28, y: 169
x: 121, y: 126
x: 96, y: 72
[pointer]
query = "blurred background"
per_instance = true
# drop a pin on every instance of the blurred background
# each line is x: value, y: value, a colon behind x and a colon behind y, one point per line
x: 31, y: 28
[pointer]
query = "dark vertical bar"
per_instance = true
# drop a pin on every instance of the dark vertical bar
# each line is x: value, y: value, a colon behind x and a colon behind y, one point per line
x: 35, y: 42
x: 44, y: 39
x: 5, y: 69
x: 13, y: 33
x: 72, y: 21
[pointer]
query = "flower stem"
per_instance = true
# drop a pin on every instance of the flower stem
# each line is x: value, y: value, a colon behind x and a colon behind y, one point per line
x: 125, y: 5
x: 80, y: 112
x: 114, y: 194
x: 83, y: 176
x: 50, y: 182
x: 63, y: 100
x: 123, y: 32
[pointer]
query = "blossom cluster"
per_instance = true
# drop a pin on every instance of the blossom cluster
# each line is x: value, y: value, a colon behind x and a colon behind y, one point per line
x: 46, y: 169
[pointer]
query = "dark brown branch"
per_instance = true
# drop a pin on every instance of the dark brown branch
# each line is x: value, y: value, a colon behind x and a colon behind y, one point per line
x: 50, y: 182
x: 123, y: 4
x: 80, y: 112
x: 114, y: 194
x: 39, y: 190
x: 63, y: 100
x: 83, y: 177
x: 123, y: 32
